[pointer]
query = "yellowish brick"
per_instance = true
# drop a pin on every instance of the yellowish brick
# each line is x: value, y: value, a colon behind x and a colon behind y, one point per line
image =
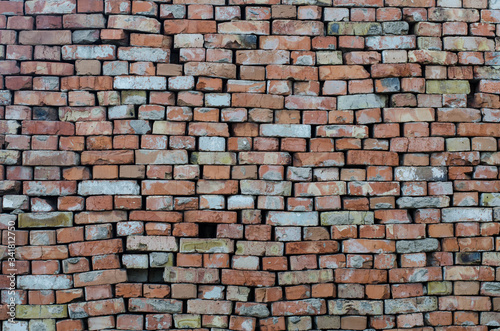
x: 45, y: 220
x: 41, y: 311
x: 447, y: 87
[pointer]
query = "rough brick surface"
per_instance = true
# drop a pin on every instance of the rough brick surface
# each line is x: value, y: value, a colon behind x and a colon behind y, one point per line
x: 251, y: 164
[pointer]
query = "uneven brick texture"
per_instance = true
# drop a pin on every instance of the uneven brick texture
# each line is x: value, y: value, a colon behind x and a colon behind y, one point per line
x: 251, y: 164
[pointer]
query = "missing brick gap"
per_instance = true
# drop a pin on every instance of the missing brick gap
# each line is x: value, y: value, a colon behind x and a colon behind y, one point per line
x: 474, y: 88
x: 207, y: 230
x: 174, y: 56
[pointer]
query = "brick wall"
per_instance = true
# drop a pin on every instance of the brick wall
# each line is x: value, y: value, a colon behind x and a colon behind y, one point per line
x: 251, y: 164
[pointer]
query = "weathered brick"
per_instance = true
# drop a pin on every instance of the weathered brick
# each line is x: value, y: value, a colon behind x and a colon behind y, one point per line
x: 299, y: 307
x: 83, y: 52
x: 35, y: 98
x: 261, y: 187
x: 210, y: 216
x: 155, y: 305
x: 410, y: 305
x: 151, y: 243
x: 374, y: 188
x: 222, y: 70
x: 47, y: 68
x: 453, y: 14
x: 390, y: 42
x: 143, y: 54
x: 468, y: 44
x: 447, y: 87
x: 420, y: 174
x: 191, y: 275
x: 303, y: 28
x: 45, y: 282
x: 206, y: 246
x: 292, y: 218
x: 257, y: 100
x: 318, y: 159
x: 248, y: 278
x: 362, y: 307
x: 99, y: 247
x: 50, y: 158
x: 396, y: 70
x: 62, y: 37
x: 372, y: 158
x: 140, y: 83
x: 346, y: 218
x: 104, y: 187
x: 346, y: 102
x: 305, y: 277
x: 466, y: 215
x: 432, y: 57
x: 134, y: 23
x: 41, y: 311
x: 291, y: 72
x: 423, y: 202
x: 48, y: 219
x: 337, y: 131
x: 417, y: 246
x: 49, y: 188
x: 464, y: 303
x: 206, y: 307
x: 317, y: 247
x: 415, y: 275
x: 319, y: 189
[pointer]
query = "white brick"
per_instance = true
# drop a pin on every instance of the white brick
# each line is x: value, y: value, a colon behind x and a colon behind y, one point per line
x: 241, y: 202
x: 148, y: 54
x: 160, y: 259
x: 129, y: 228
x: 285, y: 130
x: 361, y: 101
x: 115, y: 68
x: 287, y: 233
x: 140, y: 83
x: 217, y: 99
x: 336, y: 14
x: 494, y: 4
x: 188, y: 40
x: 212, y: 144
x: 181, y: 83
x: 44, y: 282
x: 50, y: 7
x: 212, y: 201
x: 135, y: 261
x: 246, y: 262
x: 467, y: 215
x: 88, y: 52
x: 449, y: 3
x: 347, y: 218
x: 15, y: 202
x: 172, y: 11
x: 122, y: 111
x: 15, y: 326
x: 283, y: 218
x: 109, y: 187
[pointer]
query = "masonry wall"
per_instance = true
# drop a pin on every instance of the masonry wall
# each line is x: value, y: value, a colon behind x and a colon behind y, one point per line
x: 251, y: 164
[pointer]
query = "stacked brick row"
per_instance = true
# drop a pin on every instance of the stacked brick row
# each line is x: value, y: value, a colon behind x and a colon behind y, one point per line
x: 251, y: 164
